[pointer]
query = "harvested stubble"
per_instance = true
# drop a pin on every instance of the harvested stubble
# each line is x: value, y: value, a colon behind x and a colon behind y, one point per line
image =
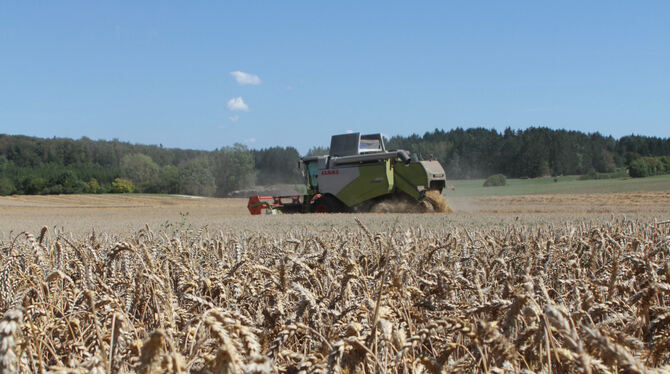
x: 587, y: 298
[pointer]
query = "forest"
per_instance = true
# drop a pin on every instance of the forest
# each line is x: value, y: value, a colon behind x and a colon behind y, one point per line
x: 533, y: 152
x: 30, y: 165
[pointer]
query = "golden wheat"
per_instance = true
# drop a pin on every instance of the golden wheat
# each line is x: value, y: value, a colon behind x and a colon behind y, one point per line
x: 587, y: 298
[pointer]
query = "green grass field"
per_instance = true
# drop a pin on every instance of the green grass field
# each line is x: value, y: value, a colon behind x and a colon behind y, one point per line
x: 550, y: 185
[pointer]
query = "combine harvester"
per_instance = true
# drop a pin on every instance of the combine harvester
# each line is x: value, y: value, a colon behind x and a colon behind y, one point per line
x: 360, y: 175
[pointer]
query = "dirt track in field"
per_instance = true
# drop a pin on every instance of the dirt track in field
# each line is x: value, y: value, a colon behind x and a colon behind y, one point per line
x: 120, y: 213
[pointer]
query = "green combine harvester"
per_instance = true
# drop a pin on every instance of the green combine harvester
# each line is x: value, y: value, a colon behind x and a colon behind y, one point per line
x: 361, y: 175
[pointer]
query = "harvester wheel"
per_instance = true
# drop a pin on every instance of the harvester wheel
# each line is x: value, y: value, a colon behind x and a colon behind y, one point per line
x: 326, y: 204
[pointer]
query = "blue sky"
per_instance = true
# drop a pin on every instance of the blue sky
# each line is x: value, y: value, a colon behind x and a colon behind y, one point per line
x: 162, y: 72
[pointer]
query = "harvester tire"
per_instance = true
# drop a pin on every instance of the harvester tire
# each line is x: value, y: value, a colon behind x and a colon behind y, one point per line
x: 326, y: 204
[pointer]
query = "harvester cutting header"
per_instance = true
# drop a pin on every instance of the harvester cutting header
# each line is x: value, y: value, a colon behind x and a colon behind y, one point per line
x: 360, y: 174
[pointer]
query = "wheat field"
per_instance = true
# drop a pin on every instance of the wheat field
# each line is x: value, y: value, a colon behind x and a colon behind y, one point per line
x: 581, y: 295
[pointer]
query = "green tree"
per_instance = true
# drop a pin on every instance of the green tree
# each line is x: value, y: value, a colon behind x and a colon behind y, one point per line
x: 167, y: 181
x: 66, y: 182
x: 665, y: 161
x: 4, y: 164
x: 606, y: 163
x: 495, y: 180
x: 122, y: 185
x: 656, y: 167
x: 34, y: 185
x: 139, y: 168
x: 197, y: 178
x: 6, y: 186
x: 645, y: 167
x: 93, y: 186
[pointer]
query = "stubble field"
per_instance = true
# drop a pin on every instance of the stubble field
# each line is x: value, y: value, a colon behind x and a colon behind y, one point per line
x: 560, y: 283
x: 123, y: 214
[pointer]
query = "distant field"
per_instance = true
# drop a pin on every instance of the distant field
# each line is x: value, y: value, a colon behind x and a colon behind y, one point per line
x: 559, y: 185
x: 532, y: 201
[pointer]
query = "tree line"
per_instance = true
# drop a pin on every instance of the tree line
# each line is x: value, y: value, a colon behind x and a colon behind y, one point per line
x: 30, y: 165
x: 533, y: 152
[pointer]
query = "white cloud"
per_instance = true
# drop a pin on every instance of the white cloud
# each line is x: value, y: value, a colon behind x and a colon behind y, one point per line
x: 236, y: 103
x: 234, y: 118
x: 251, y: 140
x: 243, y: 78
x: 349, y: 131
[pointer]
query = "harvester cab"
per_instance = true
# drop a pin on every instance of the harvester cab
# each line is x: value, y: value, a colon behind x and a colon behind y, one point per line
x: 360, y: 174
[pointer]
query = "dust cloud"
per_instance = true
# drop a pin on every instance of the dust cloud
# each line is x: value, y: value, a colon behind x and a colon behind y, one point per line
x: 434, y: 202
